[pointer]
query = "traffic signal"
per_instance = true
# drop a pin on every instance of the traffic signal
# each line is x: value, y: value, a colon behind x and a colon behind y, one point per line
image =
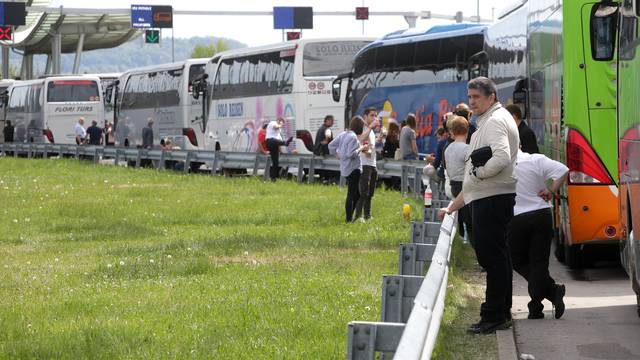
x: 293, y: 35
x: 362, y: 13
x: 152, y: 36
x: 6, y: 33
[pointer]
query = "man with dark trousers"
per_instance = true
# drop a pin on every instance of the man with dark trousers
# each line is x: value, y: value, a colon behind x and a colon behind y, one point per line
x: 274, y: 142
x: 528, y: 142
x: 531, y: 230
x: 490, y: 190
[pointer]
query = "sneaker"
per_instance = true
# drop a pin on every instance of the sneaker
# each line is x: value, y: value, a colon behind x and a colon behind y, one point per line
x: 558, y: 301
x: 361, y: 220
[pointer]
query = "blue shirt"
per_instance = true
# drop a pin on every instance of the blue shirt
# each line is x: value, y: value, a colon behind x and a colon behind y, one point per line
x: 346, y: 146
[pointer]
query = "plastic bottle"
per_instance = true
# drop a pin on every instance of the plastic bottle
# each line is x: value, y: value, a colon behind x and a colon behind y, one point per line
x: 428, y: 196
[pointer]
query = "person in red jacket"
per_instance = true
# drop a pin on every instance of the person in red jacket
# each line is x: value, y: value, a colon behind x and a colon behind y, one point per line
x: 262, y: 140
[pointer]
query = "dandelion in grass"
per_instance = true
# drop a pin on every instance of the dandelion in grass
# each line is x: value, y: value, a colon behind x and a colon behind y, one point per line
x: 121, y: 263
x: 15, y: 220
x: 56, y: 260
x: 109, y: 266
x: 169, y: 256
x: 152, y: 261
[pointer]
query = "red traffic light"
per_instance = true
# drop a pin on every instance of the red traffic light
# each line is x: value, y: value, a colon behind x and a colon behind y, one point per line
x: 6, y: 33
x: 293, y: 35
x: 362, y: 13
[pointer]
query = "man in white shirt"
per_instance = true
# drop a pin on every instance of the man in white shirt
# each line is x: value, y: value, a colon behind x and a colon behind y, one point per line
x: 274, y: 141
x: 530, y: 231
x: 81, y: 133
x: 369, y: 176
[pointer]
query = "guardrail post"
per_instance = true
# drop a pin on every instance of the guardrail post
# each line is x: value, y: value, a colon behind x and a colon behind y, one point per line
x: 214, y: 165
x: 15, y: 152
x: 312, y: 170
x: 45, y: 151
x: 414, y: 258
x: 187, y: 162
x: 161, y: 163
x: 96, y: 155
x: 138, y: 159
x: 267, y: 165
x: 398, y: 293
x: 404, y: 180
x: 116, y: 160
x: 300, y: 170
x: 367, y: 338
x: 343, y: 181
x: 256, y: 164
x: 29, y: 151
x: 77, y: 154
x: 417, y: 181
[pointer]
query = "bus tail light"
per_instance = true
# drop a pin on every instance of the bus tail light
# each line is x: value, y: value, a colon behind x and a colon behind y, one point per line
x: 48, y: 134
x: 585, y: 167
x: 191, y: 135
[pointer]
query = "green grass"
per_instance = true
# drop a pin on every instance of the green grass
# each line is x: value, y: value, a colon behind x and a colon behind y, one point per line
x: 105, y: 262
x: 465, y: 292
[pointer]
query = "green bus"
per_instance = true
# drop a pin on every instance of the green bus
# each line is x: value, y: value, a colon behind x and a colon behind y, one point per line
x: 571, y: 98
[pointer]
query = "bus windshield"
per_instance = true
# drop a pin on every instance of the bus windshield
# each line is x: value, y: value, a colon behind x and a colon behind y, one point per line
x: 330, y: 58
x: 72, y: 90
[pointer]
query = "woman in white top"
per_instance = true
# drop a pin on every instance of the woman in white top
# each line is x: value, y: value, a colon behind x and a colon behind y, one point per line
x: 530, y: 230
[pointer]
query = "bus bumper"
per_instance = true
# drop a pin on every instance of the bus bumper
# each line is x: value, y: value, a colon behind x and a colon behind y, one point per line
x: 593, y: 215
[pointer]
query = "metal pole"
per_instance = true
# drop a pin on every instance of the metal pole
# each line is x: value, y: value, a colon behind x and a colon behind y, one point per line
x: 478, y: 11
x: 173, y: 47
x: 362, y: 20
x: 282, y: 35
x: 76, y: 63
x: 5, y: 62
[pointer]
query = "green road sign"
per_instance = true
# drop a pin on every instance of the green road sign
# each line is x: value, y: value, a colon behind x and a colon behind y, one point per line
x: 152, y: 36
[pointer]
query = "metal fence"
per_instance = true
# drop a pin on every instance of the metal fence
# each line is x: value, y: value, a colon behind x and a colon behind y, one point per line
x: 410, y: 172
x: 412, y: 304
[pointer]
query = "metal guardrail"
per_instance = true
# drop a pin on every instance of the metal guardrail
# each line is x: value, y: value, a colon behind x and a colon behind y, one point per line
x: 410, y: 172
x: 409, y: 331
x: 412, y: 304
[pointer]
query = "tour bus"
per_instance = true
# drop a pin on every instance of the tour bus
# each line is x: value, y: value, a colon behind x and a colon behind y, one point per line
x: 571, y: 87
x: 162, y: 93
x: 426, y: 72
x: 47, y: 110
x: 107, y: 81
x: 629, y: 139
x: 249, y: 87
x: 4, y: 86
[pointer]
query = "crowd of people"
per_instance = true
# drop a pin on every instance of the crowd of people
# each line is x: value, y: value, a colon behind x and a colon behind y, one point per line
x: 94, y: 135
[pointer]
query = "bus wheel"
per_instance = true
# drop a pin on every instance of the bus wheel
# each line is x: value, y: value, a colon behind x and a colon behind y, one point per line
x: 573, y: 256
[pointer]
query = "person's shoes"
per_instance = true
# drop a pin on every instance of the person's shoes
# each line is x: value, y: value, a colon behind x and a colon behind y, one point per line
x: 362, y: 220
x: 289, y: 140
x: 558, y: 301
x: 489, y: 327
x: 535, y: 315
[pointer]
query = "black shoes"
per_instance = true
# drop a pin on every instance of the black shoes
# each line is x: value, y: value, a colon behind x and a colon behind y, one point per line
x: 558, y: 301
x: 289, y: 140
x: 489, y: 327
x: 535, y: 315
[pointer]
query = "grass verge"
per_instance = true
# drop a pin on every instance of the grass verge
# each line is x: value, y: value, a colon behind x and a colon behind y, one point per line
x: 465, y: 293
x: 109, y: 262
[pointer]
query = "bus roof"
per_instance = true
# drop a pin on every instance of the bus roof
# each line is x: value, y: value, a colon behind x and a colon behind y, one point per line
x: 167, y: 66
x: 434, y: 33
x: 281, y: 46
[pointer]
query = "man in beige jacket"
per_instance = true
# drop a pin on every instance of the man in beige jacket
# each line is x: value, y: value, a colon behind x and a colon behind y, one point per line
x: 490, y: 190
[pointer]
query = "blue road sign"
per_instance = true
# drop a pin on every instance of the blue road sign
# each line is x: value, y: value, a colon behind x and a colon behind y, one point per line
x: 141, y: 16
x: 282, y: 17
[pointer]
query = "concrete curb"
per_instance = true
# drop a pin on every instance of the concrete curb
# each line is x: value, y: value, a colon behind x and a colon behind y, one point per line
x: 507, y: 349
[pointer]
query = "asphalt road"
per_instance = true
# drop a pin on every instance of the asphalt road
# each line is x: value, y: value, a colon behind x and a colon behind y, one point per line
x: 600, y: 321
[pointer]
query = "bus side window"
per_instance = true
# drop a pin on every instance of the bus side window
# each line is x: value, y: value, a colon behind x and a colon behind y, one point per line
x: 604, y: 18
x: 628, y: 34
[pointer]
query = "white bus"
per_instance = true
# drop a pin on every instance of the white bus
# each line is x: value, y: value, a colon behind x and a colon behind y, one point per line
x: 107, y: 81
x: 46, y: 110
x: 163, y: 93
x: 251, y: 86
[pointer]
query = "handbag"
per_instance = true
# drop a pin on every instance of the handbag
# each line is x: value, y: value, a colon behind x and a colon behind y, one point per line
x: 397, y: 155
x: 480, y: 156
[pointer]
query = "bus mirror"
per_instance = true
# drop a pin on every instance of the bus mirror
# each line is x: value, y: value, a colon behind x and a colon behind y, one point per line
x: 199, y: 86
x: 520, y: 96
x: 336, y: 89
x: 107, y: 94
x: 603, y: 31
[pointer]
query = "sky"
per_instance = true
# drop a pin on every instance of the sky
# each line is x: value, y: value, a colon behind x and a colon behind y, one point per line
x: 258, y: 30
